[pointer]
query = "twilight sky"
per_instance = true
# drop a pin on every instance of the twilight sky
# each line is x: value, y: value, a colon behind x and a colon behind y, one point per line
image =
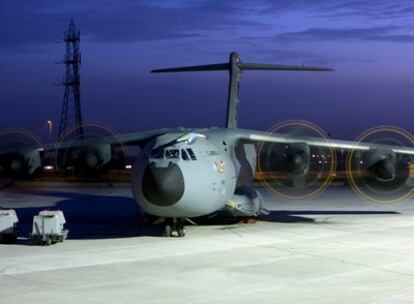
x: 369, y: 43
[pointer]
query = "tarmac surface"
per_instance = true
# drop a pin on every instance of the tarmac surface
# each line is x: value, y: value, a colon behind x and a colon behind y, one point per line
x: 335, y: 248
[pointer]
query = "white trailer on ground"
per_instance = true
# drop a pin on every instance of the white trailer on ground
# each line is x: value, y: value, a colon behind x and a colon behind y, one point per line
x: 8, y: 226
x: 49, y: 227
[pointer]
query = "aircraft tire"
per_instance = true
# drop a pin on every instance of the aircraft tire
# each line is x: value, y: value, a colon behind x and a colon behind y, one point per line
x: 168, y: 230
x: 181, y: 229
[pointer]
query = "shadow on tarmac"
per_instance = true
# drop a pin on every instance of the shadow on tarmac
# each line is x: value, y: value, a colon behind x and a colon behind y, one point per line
x: 90, y: 216
x: 297, y: 216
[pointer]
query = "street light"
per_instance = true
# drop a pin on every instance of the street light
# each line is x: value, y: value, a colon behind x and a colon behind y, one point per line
x: 49, y: 167
x: 50, y: 125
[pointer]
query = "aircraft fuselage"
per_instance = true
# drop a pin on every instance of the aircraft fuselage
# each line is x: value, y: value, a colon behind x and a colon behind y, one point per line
x: 188, y: 178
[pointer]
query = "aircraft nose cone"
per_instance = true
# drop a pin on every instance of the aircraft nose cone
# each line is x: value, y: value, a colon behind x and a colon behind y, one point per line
x: 91, y: 160
x: 15, y: 165
x: 163, y: 186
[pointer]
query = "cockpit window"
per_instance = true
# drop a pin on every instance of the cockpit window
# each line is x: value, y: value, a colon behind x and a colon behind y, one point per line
x: 184, y: 155
x: 157, y: 153
x: 191, y: 153
x: 172, y: 153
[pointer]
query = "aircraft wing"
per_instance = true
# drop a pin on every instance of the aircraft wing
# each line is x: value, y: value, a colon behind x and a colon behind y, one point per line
x: 88, y: 153
x: 251, y: 136
x: 135, y: 138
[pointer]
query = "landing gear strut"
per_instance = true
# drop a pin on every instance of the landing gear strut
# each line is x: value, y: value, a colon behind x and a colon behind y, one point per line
x: 175, y: 227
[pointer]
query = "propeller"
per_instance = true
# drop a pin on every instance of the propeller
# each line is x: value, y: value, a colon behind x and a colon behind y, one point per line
x: 296, y: 170
x: 21, y: 157
x: 93, y: 158
x: 380, y: 175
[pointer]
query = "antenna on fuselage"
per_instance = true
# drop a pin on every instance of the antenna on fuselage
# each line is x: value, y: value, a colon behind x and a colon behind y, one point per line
x: 236, y: 67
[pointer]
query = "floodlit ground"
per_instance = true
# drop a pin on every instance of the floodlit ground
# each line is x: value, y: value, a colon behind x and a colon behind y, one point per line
x: 335, y: 248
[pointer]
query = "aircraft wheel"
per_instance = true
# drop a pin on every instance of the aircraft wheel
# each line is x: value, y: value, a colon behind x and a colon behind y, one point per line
x: 47, y: 242
x: 181, y: 229
x: 168, y: 230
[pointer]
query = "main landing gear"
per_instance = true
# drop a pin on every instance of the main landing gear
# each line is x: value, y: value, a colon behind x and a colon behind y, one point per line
x: 174, y: 227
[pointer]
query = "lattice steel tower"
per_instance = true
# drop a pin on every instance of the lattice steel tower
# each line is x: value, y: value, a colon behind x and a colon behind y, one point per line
x: 71, y: 117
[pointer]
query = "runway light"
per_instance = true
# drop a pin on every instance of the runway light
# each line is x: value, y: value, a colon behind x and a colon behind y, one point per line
x: 48, y: 168
x: 128, y: 167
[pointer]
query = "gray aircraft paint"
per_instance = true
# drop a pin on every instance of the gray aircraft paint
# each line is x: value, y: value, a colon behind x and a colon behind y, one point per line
x: 207, y: 187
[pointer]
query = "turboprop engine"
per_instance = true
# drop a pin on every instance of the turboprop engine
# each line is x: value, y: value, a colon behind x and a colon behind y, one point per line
x: 92, y: 157
x: 381, y: 163
x: 22, y: 164
x: 297, y: 159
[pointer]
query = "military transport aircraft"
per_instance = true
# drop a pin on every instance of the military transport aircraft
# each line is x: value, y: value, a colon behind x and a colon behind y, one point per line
x: 183, y: 173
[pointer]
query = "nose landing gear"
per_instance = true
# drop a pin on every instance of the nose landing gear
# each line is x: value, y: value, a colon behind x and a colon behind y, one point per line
x: 174, y: 227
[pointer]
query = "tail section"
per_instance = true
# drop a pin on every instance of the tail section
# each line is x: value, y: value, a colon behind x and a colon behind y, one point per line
x: 235, y: 67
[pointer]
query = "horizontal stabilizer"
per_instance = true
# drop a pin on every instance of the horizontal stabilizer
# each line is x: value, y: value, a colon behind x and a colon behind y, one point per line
x: 208, y: 67
x: 278, y: 67
x: 242, y: 66
x: 235, y: 67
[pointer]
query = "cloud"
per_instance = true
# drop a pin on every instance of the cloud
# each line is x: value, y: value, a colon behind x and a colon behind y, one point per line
x: 396, y: 10
x: 389, y: 34
x: 38, y: 22
x: 31, y: 23
x: 372, y: 10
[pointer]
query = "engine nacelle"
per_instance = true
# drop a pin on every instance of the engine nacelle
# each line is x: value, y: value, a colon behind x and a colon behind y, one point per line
x: 297, y: 159
x: 92, y: 157
x: 381, y: 163
x: 245, y: 202
x: 22, y: 164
